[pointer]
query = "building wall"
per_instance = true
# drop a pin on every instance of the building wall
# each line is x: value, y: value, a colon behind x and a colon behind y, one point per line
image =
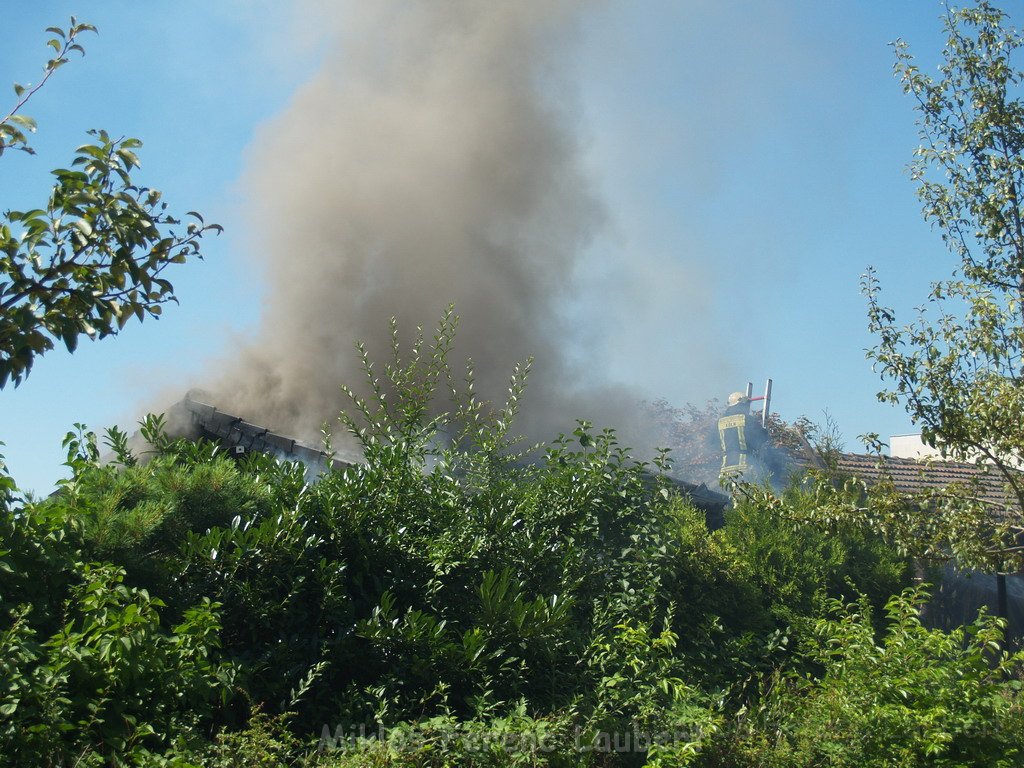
x: 912, y: 447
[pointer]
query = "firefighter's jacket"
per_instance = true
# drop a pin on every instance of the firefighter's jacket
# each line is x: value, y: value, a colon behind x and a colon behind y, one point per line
x: 741, y: 436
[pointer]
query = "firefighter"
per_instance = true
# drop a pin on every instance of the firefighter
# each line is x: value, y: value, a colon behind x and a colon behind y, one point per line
x: 742, y: 438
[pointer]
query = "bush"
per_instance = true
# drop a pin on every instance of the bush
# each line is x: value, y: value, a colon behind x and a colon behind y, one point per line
x: 461, y: 593
x: 110, y: 683
x: 794, y: 562
x: 514, y: 741
x: 906, y: 696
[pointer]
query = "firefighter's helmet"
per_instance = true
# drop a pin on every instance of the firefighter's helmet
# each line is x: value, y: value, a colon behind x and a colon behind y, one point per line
x: 738, y: 397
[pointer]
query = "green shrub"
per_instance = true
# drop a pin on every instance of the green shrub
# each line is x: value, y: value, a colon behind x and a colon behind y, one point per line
x: 514, y: 741
x: 265, y: 742
x: 140, y: 516
x: 907, y: 696
x: 453, y: 587
x: 794, y: 563
x: 110, y: 682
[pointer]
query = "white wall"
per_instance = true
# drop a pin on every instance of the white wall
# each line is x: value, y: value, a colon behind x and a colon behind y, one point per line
x: 911, y: 447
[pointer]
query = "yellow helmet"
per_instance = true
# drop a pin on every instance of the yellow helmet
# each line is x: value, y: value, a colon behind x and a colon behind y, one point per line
x: 737, y: 397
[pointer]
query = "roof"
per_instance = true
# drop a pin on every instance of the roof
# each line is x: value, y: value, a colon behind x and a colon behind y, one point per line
x: 914, y: 475
x: 207, y: 421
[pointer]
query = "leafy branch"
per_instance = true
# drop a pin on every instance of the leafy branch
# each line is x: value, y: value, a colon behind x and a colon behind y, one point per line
x: 95, y: 255
x: 13, y: 125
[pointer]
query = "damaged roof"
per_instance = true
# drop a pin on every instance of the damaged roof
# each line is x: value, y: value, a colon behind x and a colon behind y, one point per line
x: 209, y: 422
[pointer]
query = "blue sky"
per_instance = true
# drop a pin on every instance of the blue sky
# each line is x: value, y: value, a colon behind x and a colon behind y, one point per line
x: 755, y: 153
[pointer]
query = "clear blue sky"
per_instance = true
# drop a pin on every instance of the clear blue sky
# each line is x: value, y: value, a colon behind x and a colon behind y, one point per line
x: 758, y: 147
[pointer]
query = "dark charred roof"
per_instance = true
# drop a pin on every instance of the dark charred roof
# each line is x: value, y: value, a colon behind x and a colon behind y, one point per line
x: 209, y: 422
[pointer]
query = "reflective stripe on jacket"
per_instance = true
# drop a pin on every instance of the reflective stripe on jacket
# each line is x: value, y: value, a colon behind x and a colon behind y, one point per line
x: 732, y: 430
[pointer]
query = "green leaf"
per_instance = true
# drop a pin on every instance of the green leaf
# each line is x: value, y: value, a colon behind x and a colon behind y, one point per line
x: 129, y: 158
x: 24, y: 121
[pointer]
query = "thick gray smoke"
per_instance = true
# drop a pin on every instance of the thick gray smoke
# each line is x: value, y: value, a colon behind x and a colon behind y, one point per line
x: 433, y: 159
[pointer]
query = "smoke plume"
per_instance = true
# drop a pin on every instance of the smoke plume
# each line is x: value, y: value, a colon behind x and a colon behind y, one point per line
x: 433, y: 159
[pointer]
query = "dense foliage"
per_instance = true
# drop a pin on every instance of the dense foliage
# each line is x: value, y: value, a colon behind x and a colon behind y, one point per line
x: 455, y: 600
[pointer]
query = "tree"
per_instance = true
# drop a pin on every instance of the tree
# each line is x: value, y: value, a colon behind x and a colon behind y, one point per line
x: 95, y: 254
x: 959, y: 367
